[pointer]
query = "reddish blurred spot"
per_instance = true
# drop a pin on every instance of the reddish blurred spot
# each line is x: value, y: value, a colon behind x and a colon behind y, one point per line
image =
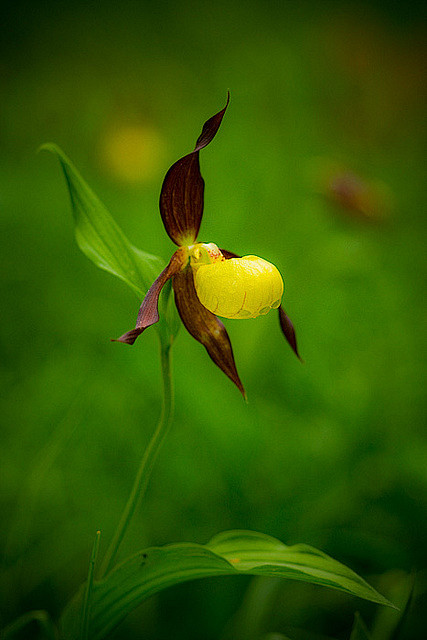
x: 352, y: 193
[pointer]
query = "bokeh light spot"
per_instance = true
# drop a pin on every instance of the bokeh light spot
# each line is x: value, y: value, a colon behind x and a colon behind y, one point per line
x: 132, y: 153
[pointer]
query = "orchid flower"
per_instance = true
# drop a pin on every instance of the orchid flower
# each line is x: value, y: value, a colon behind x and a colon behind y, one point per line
x: 208, y: 281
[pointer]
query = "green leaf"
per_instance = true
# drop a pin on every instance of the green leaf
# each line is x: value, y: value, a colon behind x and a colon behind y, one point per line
x: 229, y: 553
x: 99, y: 236
x: 102, y: 241
x: 359, y: 630
x: 87, y: 600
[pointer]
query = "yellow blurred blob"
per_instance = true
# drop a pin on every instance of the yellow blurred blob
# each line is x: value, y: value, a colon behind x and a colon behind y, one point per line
x: 132, y: 153
x: 239, y: 288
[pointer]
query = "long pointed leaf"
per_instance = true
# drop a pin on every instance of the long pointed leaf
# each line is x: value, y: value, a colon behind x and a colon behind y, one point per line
x: 99, y: 236
x: 230, y: 553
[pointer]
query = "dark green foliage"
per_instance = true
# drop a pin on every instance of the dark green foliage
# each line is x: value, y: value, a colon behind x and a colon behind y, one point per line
x: 331, y: 453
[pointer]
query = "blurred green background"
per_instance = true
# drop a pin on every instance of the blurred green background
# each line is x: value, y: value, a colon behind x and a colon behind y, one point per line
x: 318, y: 167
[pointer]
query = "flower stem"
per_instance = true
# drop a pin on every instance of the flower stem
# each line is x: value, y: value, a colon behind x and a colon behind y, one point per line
x: 147, y: 463
x: 87, y: 600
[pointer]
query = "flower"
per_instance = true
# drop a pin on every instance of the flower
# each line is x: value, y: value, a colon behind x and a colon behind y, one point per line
x: 208, y: 281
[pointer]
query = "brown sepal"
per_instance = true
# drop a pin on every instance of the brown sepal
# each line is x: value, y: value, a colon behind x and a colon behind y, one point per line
x: 181, y: 197
x: 288, y: 330
x: 148, y: 312
x: 204, y: 326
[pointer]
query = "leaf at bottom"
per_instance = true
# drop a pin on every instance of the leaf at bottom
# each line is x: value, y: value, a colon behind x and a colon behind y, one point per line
x: 229, y: 553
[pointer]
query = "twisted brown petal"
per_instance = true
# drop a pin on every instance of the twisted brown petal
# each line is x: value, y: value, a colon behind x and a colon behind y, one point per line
x: 181, y: 197
x: 148, y: 312
x: 229, y: 254
x: 288, y: 331
x: 204, y: 326
x: 285, y: 322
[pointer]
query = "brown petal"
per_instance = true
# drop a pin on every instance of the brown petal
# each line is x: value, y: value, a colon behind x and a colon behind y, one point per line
x: 288, y: 330
x: 181, y: 197
x: 204, y: 326
x: 148, y: 312
x: 229, y: 254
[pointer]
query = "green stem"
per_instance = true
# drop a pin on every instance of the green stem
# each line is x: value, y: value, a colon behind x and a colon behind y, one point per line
x: 87, y: 600
x: 147, y: 463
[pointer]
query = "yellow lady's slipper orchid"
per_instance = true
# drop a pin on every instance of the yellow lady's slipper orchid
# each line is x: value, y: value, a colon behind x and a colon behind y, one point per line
x: 208, y: 281
x: 245, y: 287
